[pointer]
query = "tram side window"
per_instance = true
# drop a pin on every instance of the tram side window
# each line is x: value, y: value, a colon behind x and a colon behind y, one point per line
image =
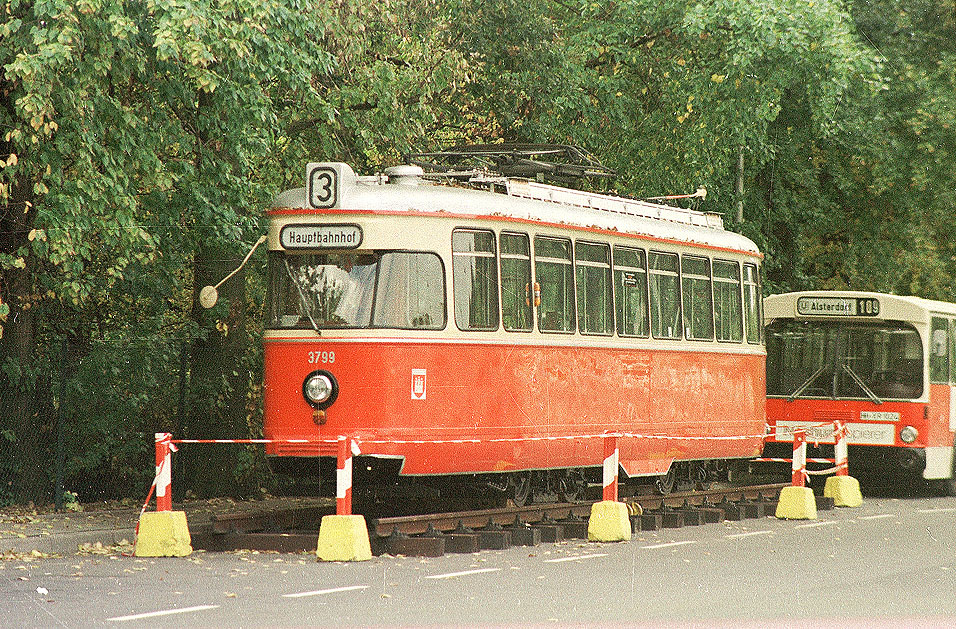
x: 516, y: 289
x: 593, y: 274
x: 698, y: 298
x: 728, y: 312
x: 410, y: 292
x: 752, y: 304
x: 475, y: 279
x: 939, y: 351
x: 665, y: 295
x: 630, y: 289
x: 554, y: 272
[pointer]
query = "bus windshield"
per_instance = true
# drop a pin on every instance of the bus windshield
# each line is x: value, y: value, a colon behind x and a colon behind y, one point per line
x: 384, y: 289
x: 841, y: 360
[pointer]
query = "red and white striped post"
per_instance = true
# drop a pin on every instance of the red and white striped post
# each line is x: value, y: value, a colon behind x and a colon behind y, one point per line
x: 343, y: 477
x: 610, y: 467
x: 164, y: 476
x: 799, y: 465
x: 840, y: 449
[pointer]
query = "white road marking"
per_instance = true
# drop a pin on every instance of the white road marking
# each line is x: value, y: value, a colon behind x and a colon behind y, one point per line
x: 750, y: 534
x: 347, y: 588
x: 813, y: 525
x: 879, y: 516
x: 940, y: 510
x: 668, y: 544
x: 562, y: 559
x: 165, y: 612
x: 462, y: 573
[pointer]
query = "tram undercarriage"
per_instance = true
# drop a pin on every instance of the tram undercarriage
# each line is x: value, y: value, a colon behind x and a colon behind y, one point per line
x: 378, y: 480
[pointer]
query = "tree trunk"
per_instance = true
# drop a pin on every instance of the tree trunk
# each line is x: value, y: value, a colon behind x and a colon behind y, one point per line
x: 216, y: 406
x: 18, y: 412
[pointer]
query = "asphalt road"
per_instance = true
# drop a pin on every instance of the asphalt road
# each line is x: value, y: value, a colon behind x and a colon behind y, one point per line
x: 890, y: 563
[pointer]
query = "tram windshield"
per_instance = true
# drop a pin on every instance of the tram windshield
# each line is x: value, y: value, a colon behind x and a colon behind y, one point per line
x: 386, y: 289
x: 840, y: 360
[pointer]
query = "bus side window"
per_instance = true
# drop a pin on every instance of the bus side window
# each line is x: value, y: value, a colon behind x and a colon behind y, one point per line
x: 939, y: 351
x: 952, y: 351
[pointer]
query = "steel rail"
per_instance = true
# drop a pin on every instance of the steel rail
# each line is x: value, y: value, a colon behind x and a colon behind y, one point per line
x: 534, y: 513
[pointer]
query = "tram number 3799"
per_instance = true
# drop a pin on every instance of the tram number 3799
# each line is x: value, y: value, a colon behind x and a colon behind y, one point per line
x: 326, y: 358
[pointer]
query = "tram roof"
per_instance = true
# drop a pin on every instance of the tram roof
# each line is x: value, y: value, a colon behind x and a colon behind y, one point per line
x: 898, y: 307
x: 499, y: 197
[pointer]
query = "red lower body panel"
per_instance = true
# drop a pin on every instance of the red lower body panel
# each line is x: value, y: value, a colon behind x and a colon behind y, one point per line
x: 503, y: 408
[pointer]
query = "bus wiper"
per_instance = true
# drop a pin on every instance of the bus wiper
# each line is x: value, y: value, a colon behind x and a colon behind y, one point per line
x: 806, y: 383
x: 302, y: 297
x: 857, y: 379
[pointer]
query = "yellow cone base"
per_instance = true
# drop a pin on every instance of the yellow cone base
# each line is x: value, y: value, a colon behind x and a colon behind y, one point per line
x: 797, y: 503
x: 163, y: 534
x: 343, y: 538
x: 845, y: 491
x: 609, y: 522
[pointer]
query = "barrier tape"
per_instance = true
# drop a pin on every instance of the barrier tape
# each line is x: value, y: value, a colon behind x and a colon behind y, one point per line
x: 558, y: 438
x: 149, y: 495
x: 248, y: 441
x: 778, y: 460
x: 830, y: 470
x: 472, y: 440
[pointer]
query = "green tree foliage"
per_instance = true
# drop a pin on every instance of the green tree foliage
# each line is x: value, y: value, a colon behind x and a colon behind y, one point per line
x: 670, y: 95
x: 913, y: 183
x: 140, y: 140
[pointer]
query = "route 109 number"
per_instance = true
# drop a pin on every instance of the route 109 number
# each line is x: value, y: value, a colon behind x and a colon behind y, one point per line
x: 326, y: 358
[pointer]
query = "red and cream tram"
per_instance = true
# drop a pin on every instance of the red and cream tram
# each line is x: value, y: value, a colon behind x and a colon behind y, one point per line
x: 883, y: 364
x: 454, y: 328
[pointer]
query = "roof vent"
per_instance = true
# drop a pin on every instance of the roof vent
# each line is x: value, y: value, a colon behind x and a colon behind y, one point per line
x: 404, y: 175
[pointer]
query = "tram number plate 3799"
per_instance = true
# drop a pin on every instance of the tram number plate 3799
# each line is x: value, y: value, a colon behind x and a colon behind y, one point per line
x: 326, y: 358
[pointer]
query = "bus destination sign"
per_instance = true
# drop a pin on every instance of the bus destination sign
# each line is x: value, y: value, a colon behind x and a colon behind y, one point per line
x: 320, y: 236
x: 839, y: 306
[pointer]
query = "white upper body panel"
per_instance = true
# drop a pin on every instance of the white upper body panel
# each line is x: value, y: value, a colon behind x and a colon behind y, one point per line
x: 524, y: 200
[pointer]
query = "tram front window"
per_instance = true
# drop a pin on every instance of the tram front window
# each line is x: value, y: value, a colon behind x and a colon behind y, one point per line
x: 346, y: 290
x: 841, y: 361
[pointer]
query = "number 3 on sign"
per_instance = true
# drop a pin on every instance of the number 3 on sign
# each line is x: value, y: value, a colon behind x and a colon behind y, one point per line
x: 321, y: 183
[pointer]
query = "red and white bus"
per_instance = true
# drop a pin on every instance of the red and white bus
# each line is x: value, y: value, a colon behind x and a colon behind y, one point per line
x: 466, y: 327
x: 883, y: 364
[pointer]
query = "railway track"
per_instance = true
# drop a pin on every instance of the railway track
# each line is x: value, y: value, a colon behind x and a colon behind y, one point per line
x: 296, y: 529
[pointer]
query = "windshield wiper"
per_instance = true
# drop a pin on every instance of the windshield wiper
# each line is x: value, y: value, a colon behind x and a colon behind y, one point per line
x: 806, y: 383
x: 859, y: 381
x: 302, y: 297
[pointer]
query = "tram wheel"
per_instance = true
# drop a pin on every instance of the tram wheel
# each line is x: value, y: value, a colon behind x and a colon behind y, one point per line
x: 519, y: 489
x: 665, y: 484
x: 572, y: 487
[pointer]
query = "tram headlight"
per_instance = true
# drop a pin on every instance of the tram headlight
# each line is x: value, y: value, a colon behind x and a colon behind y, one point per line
x: 908, y: 434
x: 320, y: 389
